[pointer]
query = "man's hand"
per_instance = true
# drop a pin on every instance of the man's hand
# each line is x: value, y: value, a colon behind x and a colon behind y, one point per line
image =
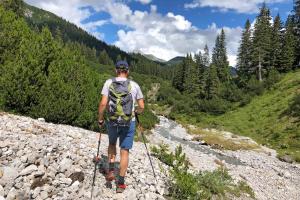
x: 100, y: 123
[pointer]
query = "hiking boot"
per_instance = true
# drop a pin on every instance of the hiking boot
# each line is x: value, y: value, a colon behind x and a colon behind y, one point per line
x: 110, y: 176
x: 96, y: 159
x: 120, y: 188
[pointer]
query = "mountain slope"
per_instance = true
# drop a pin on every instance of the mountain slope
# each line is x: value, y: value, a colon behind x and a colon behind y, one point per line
x: 152, y: 57
x: 40, y: 18
x: 175, y: 60
x: 266, y: 118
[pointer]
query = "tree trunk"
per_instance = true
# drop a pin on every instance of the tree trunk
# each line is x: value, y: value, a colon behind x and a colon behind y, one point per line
x: 259, y: 71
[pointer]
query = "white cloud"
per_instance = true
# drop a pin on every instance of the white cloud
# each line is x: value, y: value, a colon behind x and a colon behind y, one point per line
x: 164, y: 36
x: 240, y: 6
x: 144, y: 1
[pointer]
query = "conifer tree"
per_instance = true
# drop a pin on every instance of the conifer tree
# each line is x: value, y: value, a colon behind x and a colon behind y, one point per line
x: 179, y: 77
x: 104, y: 58
x: 244, y: 52
x: 276, y: 43
x: 212, y: 83
x: 191, y: 79
x: 287, y: 57
x: 205, y: 57
x: 219, y: 57
x: 262, y: 43
x: 17, y: 6
x: 297, y: 30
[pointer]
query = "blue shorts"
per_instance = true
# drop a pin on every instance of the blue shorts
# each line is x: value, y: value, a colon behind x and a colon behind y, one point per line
x: 126, y: 134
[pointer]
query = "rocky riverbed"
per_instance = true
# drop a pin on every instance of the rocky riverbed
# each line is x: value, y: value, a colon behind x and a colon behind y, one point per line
x: 40, y: 160
x: 269, y: 177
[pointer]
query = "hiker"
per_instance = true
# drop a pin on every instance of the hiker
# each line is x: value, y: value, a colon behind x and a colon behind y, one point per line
x: 119, y: 96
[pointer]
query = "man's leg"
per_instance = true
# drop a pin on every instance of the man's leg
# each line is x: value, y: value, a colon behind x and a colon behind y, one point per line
x: 124, y: 153
x: 126, y: 142
x: 111, y: 151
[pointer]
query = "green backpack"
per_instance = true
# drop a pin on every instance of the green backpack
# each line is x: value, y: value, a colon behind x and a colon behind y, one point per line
x: 120, y: 103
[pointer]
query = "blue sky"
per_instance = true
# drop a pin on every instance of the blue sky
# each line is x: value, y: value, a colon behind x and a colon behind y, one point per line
x: 164, y: 28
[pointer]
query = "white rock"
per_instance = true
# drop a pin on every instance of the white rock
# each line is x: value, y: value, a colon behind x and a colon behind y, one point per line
x: 41, y: 119
x: 9, y: 174
x: 28, y: 170
x: 36, y: 192
x: 2, y: 198
x: 150, y: 196
x: 65, y: 164
x: 11, y: 194
x: 1, y: 191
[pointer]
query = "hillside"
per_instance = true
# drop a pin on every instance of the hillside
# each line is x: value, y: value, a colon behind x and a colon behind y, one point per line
x: 266, y: 118
x: 69, y: 32
x: 175, y: 60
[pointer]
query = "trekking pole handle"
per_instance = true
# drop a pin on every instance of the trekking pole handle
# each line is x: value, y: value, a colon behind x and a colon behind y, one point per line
x: 137, y: 117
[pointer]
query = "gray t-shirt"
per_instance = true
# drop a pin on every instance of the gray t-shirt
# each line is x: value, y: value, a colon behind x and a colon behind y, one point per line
x: 136, y: 91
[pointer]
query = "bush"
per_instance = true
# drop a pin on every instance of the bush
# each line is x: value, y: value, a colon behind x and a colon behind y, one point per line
x: 255, y: 87
x: 295, y: 106
x: 272, y: 78
x: 214, y: 106
x: 202, y: 185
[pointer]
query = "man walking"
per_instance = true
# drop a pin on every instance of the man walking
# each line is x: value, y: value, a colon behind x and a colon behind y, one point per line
x: 119, y: 96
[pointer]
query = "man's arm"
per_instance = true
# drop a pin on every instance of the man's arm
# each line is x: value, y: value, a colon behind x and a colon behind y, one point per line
x: 141, y: 106
x: 102, y: 107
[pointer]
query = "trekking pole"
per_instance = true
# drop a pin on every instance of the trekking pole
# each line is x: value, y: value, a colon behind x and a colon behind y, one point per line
x: 96, y: 162
x: 139, y: 125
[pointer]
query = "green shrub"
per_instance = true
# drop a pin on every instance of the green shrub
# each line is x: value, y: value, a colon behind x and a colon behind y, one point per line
x: 214, y: 106
x: 202, y: 185
x: 295, y: 106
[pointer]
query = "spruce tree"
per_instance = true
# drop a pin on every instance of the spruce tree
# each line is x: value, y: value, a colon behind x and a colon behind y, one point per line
x: 288, y: 56
x: 276, y: 43
x: 219, y: 57
x: 212, y: 83
x: 179, y: 77
x: 297, y: 30
x: 244, y: 52
x: 262, y: 43
x: 191, y: 76
x: 17, y: 6
x: 205, y: 57
x: 104, y: 58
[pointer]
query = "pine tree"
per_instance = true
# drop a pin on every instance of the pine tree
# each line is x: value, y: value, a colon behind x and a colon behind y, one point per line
x: 17, y: 6
x: 288, y: 49
x: 219, y: 57
x: 297, y: 30
x: 276, y: 43
x: 212, y: 85
x: 244, y: 52
x: 191, y: 76
x: 104, y: 58
x: 179, y: 77
x: 205, y: 57
x: 262, y: 43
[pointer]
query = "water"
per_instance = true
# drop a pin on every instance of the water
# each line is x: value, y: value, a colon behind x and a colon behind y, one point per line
x: 165, y: 129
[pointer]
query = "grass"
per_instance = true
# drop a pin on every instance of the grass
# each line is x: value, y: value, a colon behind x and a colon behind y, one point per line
x: 265, y: 118
x: 220, y: 141
x: 184, y: 184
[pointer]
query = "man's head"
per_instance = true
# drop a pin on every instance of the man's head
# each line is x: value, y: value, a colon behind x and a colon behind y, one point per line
x: 122, y: 68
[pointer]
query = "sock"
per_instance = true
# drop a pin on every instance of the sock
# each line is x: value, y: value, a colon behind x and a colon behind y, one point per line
x: 121, y: 180
x: 111, y: 166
